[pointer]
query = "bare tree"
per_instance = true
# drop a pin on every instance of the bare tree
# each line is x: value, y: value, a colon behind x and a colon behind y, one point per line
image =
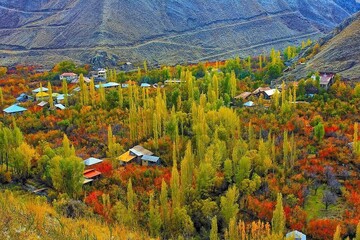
x: 329, y: 198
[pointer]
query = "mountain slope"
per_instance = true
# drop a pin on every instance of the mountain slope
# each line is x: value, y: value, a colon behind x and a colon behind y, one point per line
x: 339, y: 52
x: 166, y: 31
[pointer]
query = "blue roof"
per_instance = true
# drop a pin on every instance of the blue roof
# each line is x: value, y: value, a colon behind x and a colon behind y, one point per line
x: 249, y: 104
x: 145, y: 85
x: 296, y: 234
x: 92, y: 161
x: 150, y: 158
x: 108, y: 85
x: 14, y: 109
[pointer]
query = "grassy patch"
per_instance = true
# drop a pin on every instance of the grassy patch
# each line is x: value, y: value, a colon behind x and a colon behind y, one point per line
x: 315, y: 208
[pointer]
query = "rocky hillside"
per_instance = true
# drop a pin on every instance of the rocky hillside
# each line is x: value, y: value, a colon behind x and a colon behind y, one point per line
x: 165, y: 31
x: 339, y: 52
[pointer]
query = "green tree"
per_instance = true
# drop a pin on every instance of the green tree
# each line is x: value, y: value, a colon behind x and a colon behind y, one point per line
x: 65, y: 92
x: 229, y: 207
x: 154, y: 218
x: 319, y: 131
x: 1, y: 97
x: 278, y: 219
x: 67, y: 175
x: 51, y: 100
x: 214, y: 229
x: 21, y: 162
x: 175, y: 186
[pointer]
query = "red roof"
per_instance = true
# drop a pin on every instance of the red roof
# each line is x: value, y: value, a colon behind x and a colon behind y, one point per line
x: 91, y: 173
x: 68, y: 74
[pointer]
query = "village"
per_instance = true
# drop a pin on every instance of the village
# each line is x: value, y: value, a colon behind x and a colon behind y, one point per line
x: 138, y: 154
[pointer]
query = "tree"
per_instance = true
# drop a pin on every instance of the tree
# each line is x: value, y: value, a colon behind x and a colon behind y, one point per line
x: 175, y: 186
x: 51, y: 100
x: 22, y: 160
x: 214, y: 229
x: 319, y: 131
x: 229, y: 207
x: 154, y: 218
x: 358, y: 232
x: 67, y: 174
x: 278, y: 220
x: 65, y: 92
x: 233, y: 84
x: 1, y: 97
x: 328, y: 199
x: 92, y: 92
x: 337, y: 234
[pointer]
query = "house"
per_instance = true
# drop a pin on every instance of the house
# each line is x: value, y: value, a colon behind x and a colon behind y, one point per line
x: 260, y: 90
x: 77, y: 80
x: 243, y: 96
x: 126, y: 158
x: 173, y: 81
x: 249, y: 104
x: 91, y: 174
x: 134, y: 155
x: 92, y: 161
x: 40, y: 89
x: 108, y: 85
x: 42, y: 104
x: 68, y: 76
x: 296, y: 235
x: 326, y: 80
x: 147, y: 160
x: 24, y: 98
x: 145, y: 85
x: 41, y: 96
x: 14, y: 109
x: 59, y: 106
x: 101, y: 73
x: 269, y: 93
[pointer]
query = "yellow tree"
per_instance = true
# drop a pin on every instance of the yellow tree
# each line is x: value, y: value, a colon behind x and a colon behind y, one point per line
x: 278, y: 220
x: 65, y: 92
x: 51, y: 100
x: 1, y: 97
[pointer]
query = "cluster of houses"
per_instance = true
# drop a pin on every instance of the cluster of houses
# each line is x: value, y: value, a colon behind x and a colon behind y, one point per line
x: 136, y: 155
x: 326, y: 80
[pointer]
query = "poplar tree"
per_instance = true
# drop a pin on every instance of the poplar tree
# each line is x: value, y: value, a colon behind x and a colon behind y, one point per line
x: 175, y: 186
x: 229, y: 207
x: 51, y: 100
x: 65, y: 92
x: 356, y: 143
x: 1, y: 97
x: 121, y: 97
x: 358, y: 232
x: 319, y: 132
x: 232, y: 84
x: 92, y: 92
x: 233, y: 232
x: 278, y: 219
x: 165, y: 214
x: 187, y: 169
x: 214, y: 229
x: 130, y: 197
x: 337, y: 234
x: 155, y: 222
x: 102, y: 95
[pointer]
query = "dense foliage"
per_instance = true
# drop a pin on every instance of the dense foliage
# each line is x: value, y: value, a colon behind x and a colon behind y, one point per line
x: 228, y: 171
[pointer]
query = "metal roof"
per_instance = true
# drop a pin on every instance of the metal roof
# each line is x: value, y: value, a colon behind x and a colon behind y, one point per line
x: 60, y: 106
x: 296, y: 234
x: 150, y: 158
x: 92, y: 161
x: 140, y: 151
x: 249, y: 104
x: 145, y: 85
x: 14, y: 109
x: 43, y: 89
x: 108, y: 85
